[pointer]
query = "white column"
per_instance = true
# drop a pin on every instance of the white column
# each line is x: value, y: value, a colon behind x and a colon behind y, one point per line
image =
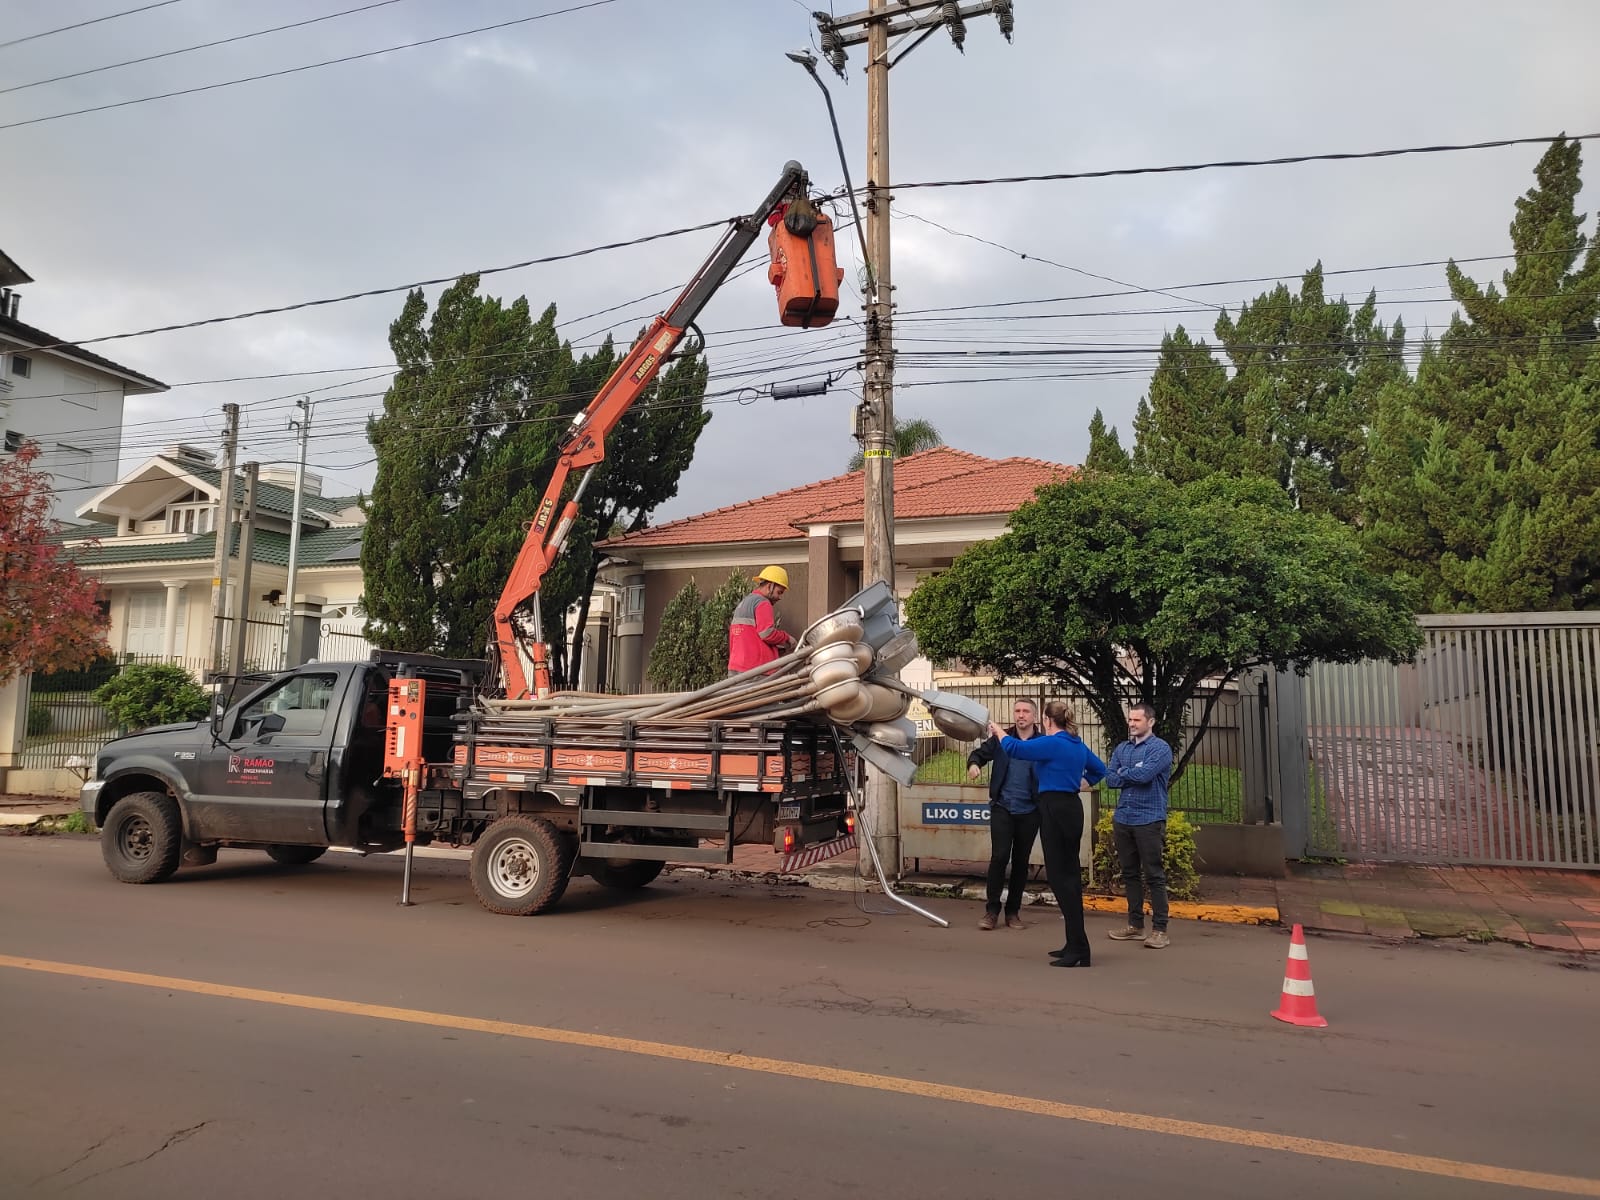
x: 169, y: 633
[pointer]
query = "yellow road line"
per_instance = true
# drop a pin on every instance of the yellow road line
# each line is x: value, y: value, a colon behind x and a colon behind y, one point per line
x: 1254, y: 1139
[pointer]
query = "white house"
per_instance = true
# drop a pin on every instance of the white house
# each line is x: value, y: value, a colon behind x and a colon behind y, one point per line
x: 66, y: 399
x: 151, y: 540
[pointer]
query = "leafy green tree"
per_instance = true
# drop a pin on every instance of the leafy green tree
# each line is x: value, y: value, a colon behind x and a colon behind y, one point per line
x: 911, y: 436
x: 673, y: 658
x: 1106, y: 455
x: 147, y: 694
x: 468, y: 440
x: 1127, y: 588
x: 1295, y: 407
x: 1484, y: 486
x: 711, y: 650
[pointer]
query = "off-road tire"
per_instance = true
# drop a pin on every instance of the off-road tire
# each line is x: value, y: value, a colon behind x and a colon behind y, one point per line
x: 295, y: 856
x: 520, y: 866
x: 142, y: 839
x: 626, y: 874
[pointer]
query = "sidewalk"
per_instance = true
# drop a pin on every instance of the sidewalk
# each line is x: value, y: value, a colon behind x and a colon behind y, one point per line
x: 1553, y: 910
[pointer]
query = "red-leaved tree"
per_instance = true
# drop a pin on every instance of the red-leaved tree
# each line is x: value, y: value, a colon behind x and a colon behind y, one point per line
x: 48, y: 616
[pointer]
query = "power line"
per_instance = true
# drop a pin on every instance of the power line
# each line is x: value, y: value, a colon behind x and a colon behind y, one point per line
x: 330, y: 62
x: 227, y: 41
x: 1344, y: 156
x: 389, y: 291
x: 127, y: 12
x: 1038, y: 257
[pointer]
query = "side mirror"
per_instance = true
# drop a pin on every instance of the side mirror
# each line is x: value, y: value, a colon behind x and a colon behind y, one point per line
x: 271, y: 723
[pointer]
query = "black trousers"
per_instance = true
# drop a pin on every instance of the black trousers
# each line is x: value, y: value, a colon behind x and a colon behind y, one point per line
x: 1139, y: 851
x: 1010, y: 843
x: 1062, y: 833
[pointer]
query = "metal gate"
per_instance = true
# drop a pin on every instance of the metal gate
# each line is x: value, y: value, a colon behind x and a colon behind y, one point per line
x: 1486, y: 750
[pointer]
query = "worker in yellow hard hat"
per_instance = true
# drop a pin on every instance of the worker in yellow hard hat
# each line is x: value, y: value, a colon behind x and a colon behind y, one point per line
x: 753, y: 635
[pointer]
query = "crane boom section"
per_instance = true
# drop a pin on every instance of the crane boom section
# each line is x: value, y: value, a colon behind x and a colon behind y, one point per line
x: 585, y: 443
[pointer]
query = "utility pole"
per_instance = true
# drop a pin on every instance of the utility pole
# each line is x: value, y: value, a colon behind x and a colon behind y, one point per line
x: 304, y: 425
x: 224, y: 531
x: 882, y: 22
x: 247, y: 538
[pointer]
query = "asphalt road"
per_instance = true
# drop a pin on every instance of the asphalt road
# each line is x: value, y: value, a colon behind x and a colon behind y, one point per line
x: 292, y: 1032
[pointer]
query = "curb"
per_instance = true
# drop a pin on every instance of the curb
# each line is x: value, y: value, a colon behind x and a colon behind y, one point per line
x: 846, y: 881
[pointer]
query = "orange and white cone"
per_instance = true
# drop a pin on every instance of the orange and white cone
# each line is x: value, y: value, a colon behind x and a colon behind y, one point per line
x: 1299, y: 1003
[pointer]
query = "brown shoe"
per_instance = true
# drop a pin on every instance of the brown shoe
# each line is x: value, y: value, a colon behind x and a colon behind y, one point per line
x: 1128, y: 933
x: 1158, y: 940
x: 1014, y: 921
x: 987, y: 922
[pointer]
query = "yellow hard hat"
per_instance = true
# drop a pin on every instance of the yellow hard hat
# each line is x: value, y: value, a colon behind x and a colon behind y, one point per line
x: 775, y: 575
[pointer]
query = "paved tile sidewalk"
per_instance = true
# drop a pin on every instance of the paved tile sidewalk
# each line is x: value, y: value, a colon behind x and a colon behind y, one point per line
x: 1553, y: 910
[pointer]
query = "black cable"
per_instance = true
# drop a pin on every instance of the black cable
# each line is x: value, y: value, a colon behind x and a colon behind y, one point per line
x: 127, y: 12
x: 330, y: 62
x: 240, y: 37
x: 388, y: 291
x: 1345, y: 156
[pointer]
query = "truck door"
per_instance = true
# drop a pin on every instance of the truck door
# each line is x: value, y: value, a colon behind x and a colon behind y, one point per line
x: 266, y: 780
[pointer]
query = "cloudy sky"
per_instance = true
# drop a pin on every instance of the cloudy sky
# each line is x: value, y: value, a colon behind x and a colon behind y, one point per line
x: 636, y: 116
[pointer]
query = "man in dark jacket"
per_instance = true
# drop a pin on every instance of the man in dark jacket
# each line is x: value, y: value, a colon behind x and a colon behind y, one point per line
x: 1013, y: 816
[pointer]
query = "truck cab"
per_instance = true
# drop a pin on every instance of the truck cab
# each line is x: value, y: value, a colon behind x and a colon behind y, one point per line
x: 289, y: 762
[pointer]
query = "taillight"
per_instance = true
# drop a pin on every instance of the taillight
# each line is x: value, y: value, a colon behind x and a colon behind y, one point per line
x: 849, y: 822
x: 788, y: 840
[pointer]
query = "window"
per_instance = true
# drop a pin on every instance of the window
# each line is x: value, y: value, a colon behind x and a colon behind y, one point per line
x: 302, y: 701
x: 635, y: 599
x: 190, y: 518
x: 14, y: 441
x: 22, y: 366
x: 70, y: 462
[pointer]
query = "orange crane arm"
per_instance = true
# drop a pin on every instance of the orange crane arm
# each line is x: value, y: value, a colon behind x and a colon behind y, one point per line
x: 585, y: 444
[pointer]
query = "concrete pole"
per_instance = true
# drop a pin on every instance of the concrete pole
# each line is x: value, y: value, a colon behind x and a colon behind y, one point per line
x: 224, y: 529
x: 247, y: 537
x: 304, y: 423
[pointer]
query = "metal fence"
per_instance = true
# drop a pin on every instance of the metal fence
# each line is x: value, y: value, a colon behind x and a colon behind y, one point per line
x: 263, y: 643
x: 64, y: 724
x: 1485, y: 750
x: 1210, y: 789
x: 342, y: 643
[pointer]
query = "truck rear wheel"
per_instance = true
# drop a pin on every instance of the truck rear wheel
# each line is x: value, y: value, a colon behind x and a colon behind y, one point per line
x: 626, y: 874
x: 295, y: 856
x: 520, y: 866
x: 142, y: 838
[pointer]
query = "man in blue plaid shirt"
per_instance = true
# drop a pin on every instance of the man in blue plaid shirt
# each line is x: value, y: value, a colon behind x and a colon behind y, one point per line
x: 1141, y: 768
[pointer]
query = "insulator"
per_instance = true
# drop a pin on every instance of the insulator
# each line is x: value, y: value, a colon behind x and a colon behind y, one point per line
x: 954, y: 23
x: 833, y: 48
x: 1006, y: 16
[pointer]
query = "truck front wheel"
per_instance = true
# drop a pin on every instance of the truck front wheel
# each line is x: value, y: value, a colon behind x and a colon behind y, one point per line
x: 520, y: 866
x: 142, y: 838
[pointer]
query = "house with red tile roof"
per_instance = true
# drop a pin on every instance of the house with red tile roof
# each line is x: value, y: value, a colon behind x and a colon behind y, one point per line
x: 945, y: 500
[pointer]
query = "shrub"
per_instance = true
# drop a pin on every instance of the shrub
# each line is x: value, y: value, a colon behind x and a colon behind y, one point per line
x: 153, y: 694
x: 1183, y: 881
x: 38, y: 719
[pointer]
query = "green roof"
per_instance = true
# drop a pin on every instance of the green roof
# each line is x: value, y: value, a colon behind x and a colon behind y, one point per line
x: 325, y: 547
x: 270, y: 497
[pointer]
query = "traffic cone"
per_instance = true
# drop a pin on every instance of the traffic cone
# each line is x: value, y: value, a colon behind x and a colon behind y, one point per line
x: 1299, y: 1003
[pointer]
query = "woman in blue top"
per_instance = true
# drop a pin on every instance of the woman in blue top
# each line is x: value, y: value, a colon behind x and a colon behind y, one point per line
x: 1064, y: 763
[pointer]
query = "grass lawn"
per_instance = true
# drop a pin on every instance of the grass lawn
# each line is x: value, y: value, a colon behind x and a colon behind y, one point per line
x: 1204, y: 793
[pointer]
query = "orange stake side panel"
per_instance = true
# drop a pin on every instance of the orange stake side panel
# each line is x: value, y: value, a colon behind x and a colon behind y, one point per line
x: 678, y: 769
x: 402, y: 741
x: 805, y: 273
